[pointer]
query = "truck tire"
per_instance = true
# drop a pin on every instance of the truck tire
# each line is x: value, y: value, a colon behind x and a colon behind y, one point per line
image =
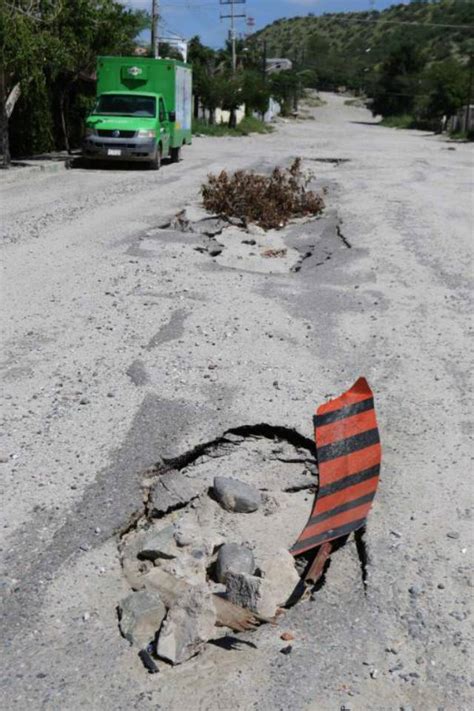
x: 155, y: 164
x: 175, y: 154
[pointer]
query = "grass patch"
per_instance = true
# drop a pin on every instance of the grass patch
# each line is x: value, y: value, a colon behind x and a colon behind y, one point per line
x: 402, y: 121
x: 462, y: 135
x: 267, y: 200
x: 248, y: 125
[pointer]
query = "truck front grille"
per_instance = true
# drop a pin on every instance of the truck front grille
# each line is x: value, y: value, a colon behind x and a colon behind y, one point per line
x: 109, y: 133
x: 115, y: 145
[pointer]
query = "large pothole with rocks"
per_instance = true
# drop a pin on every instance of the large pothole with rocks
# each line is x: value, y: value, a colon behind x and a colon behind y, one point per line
x: 210, y: 554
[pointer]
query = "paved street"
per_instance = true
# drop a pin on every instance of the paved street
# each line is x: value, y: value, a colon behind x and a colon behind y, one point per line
x: 109, y: 326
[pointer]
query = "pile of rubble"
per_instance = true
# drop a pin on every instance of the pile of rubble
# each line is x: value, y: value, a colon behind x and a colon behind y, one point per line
x: 212, y: 552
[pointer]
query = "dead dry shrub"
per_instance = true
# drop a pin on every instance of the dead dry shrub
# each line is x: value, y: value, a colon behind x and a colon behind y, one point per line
x: 269, y: 201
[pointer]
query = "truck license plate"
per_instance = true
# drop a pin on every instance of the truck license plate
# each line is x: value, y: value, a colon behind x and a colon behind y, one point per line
x: 114, y: 152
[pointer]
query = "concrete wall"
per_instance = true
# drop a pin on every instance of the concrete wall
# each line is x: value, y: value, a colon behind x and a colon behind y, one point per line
x: 458, y: 122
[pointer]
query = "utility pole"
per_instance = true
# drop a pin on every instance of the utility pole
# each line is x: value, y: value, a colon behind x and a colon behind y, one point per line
x: 469, y: 95
x: 154, y: 28
x: 233, y: 16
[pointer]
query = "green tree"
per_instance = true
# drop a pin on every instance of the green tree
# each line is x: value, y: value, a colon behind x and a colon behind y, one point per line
x: 446, y: 87
x: 255, y: 92
x: 398, y: 80
x: 47, y: 47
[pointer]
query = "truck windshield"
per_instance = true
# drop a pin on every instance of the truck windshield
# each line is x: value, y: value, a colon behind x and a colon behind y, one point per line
x: 121, y: 105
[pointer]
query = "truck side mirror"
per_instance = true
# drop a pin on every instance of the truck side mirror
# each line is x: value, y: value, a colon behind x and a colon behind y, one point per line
x: 172, y: 116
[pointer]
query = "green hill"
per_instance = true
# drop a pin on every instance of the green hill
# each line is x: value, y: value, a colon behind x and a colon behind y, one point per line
x: 348, y: 48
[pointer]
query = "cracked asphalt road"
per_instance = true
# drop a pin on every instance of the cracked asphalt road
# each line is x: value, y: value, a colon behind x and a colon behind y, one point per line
x: 109, y: 328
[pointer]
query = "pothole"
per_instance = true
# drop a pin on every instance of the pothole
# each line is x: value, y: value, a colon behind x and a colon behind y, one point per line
x: 304, y: 242
x: 333, y: 161
x: 210, y: 552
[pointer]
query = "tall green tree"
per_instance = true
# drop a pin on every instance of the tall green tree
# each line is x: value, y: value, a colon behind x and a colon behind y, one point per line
x: 398, y: 81
x: 46, y: 48
x: 446, y: 87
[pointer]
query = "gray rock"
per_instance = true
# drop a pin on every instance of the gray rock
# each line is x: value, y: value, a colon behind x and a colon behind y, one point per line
x: 189, y: 624
x: 235, y: 495
x: 141, y: 615
x: 173, y: 489
x: 158, y: 544
x: 236, y: 558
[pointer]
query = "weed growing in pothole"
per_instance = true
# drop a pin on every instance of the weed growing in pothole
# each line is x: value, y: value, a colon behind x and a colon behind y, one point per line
x: 269, y: 201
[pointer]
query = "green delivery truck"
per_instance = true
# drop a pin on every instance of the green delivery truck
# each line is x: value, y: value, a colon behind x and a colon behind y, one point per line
x: 142, y: 112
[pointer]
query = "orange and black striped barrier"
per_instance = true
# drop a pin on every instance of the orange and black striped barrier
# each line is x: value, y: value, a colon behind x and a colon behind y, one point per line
x: 349, y: 456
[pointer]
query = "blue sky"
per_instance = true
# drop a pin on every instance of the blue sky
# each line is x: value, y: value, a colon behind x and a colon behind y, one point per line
x: 201, y: 17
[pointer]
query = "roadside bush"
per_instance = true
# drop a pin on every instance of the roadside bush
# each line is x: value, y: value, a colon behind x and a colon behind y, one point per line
x: 269, y: 201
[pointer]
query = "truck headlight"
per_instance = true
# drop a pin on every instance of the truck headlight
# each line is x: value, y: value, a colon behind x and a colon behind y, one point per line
x: 91, y: 131
x: 145, y: 133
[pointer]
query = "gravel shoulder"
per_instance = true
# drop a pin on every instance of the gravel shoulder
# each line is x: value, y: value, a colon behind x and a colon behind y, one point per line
x: 109, y: 328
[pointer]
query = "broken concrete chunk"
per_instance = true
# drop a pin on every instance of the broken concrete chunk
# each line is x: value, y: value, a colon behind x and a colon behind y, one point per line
x: 236, y: 558
x: 235, y: 495
x: 253, y: 593
x: 186, y: 532
x: 280, y: 572
x: 190, y: 566
x: 264, y: 595
x: 173, y: 489
x: 158, y: 544
x: 189, y: 624
x: 141, y: 615
x: 134, y: 570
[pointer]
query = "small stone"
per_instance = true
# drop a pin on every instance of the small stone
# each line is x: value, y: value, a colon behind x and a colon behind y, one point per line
x: 374, y: 673
x: 441, y: 586
x: 141, y: 615
x: 453, y: 534
x: 84, y: 401
x: 190, y: 623
x: 414, y: 590
x: 287, y: 636
x: 158, y: 544
x: 236, y: 558
x: 235, y: 495
x: 287, y: 650
x: 86, y: 616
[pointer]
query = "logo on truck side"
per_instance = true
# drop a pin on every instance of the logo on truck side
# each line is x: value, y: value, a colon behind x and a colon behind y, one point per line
x: 134, y: 71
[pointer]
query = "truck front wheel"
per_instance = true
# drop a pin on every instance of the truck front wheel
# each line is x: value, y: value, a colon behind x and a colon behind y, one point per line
x: 156, y: 162
x: 175, y: 154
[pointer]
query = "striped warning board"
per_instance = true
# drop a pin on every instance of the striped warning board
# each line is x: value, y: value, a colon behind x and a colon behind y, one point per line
x: 349, y: 455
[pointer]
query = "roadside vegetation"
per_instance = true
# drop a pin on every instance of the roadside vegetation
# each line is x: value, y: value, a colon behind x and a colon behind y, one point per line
x: 248, y: 125
x: 269, y: 201
x: 413, y: 60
